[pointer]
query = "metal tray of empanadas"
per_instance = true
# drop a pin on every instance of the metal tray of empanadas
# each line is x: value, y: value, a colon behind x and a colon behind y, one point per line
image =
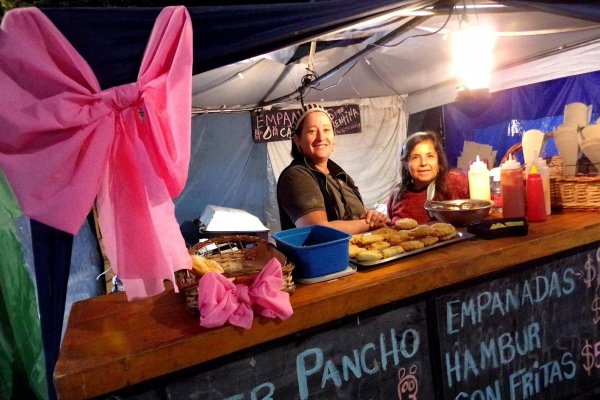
x: 462, y: 234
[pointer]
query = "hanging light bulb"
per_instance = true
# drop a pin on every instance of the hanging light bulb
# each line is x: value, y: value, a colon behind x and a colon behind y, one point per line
x: 473, y: 47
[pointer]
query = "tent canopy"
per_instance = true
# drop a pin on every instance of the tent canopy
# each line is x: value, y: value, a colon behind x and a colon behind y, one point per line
x: 252, y: 55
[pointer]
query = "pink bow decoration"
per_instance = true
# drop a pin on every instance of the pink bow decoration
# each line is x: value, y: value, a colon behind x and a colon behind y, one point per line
x: 220, y: 300
x: 65, y: 143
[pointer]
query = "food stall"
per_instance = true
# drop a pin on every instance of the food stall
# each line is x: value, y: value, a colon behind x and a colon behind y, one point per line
x: 338, y: 340
x: 514, y: 316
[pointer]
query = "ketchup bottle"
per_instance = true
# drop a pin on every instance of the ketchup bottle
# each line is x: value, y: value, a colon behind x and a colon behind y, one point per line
x: 536, y: 205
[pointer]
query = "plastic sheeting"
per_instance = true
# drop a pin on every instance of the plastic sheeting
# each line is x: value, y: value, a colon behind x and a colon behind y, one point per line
x: 226, y: 167
x: 22, y: 367
x: 501, y: 119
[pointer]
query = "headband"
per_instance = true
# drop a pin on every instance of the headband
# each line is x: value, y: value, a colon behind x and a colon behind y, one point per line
x: 307, y: 109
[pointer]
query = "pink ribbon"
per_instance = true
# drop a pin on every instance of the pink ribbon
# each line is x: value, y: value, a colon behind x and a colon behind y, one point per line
x: 220, y: 300
x: 65, y: 143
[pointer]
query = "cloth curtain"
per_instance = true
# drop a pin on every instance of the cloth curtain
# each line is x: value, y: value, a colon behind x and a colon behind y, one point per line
x: 64, y: 142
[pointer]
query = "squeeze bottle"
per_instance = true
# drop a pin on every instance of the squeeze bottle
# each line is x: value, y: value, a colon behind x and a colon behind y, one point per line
x: 544, y: 171
x: 479, y: 180
x: 513, y: 189
x: 536, y: 206
x: 496, y: 188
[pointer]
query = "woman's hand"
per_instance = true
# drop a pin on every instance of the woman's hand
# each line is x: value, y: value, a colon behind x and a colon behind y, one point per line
x: 376, y: 219
x: 368, y: 221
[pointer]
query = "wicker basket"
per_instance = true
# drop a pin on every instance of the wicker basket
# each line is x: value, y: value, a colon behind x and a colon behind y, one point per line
x: 250, y: 251
x: 576, y: 193
x: 573, y: 193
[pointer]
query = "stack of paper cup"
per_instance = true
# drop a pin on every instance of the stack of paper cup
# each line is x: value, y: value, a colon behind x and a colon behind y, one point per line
x: 591, y: 132
x: 576, y: 114
x: 590, y: 145
x: 565, y: 138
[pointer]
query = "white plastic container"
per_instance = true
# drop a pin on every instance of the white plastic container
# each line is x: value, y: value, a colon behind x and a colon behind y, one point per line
x: 479, y: 180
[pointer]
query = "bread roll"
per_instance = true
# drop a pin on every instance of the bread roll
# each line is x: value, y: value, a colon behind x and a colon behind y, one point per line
x: 202, y: 265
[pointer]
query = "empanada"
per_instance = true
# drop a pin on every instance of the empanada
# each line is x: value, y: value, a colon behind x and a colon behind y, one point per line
x: 412, y: 245
x: 369, y: 255
x: 406, y: 223
x: 392, y: 251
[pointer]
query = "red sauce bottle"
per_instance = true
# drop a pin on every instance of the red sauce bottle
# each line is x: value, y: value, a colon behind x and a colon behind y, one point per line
x: 513, y: 189
x: 536, y: 205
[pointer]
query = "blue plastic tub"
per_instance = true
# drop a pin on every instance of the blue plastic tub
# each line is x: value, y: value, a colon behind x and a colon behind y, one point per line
x: 315, y: 250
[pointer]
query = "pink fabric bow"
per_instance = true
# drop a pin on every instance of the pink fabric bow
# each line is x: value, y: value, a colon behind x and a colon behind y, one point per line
x: 64, y: 142
x: 220, y: 300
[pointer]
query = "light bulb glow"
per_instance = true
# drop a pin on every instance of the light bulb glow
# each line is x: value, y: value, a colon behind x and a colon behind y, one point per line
x: 473, y: 47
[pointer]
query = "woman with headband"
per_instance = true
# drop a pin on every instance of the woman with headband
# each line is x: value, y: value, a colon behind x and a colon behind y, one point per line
x: 314, y: 190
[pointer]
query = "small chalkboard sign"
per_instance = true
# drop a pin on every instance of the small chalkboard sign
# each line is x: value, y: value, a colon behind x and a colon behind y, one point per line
x: 273, y: 125
x: 380, y: 355
x: 530, y: 335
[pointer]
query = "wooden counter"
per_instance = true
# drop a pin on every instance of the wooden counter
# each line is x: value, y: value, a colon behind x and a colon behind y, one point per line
x: 111, y: 343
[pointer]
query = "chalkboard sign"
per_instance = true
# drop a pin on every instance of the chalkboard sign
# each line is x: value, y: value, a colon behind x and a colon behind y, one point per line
x: 530, y: 335
x: 373, y: 356
x: 273, y: 125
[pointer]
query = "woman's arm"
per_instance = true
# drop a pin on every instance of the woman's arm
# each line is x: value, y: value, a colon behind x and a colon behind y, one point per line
x: 370, y: 220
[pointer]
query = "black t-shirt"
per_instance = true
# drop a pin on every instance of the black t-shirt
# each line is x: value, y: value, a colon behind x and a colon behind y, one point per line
x: 302, y: 188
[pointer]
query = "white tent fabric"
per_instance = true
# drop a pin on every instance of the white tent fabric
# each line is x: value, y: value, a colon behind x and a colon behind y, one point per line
x: 579, y: 60
x: 377, y: 78
x: 370, y: 157
x: 531, y: 47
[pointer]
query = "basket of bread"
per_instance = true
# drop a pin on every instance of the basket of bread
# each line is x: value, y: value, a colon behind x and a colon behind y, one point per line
x: 238, y: 257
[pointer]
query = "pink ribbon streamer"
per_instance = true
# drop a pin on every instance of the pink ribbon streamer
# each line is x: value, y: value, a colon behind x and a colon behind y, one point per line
x: 64, y: 142
x: 220, y: 300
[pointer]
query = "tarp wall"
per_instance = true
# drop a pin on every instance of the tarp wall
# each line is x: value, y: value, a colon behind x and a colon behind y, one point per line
x: 501, y: 120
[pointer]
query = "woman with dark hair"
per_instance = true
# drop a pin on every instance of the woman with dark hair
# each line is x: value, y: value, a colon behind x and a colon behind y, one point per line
x: 425, y: 175
x: 313, y: 190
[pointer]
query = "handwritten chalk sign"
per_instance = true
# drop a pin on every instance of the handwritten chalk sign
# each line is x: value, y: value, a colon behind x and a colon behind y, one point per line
x: 380, y: 355
x: 273, y: 125
x: 531, y: 335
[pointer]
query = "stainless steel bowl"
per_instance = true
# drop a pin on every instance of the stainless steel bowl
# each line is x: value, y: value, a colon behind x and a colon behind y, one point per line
x: 459, y: 212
